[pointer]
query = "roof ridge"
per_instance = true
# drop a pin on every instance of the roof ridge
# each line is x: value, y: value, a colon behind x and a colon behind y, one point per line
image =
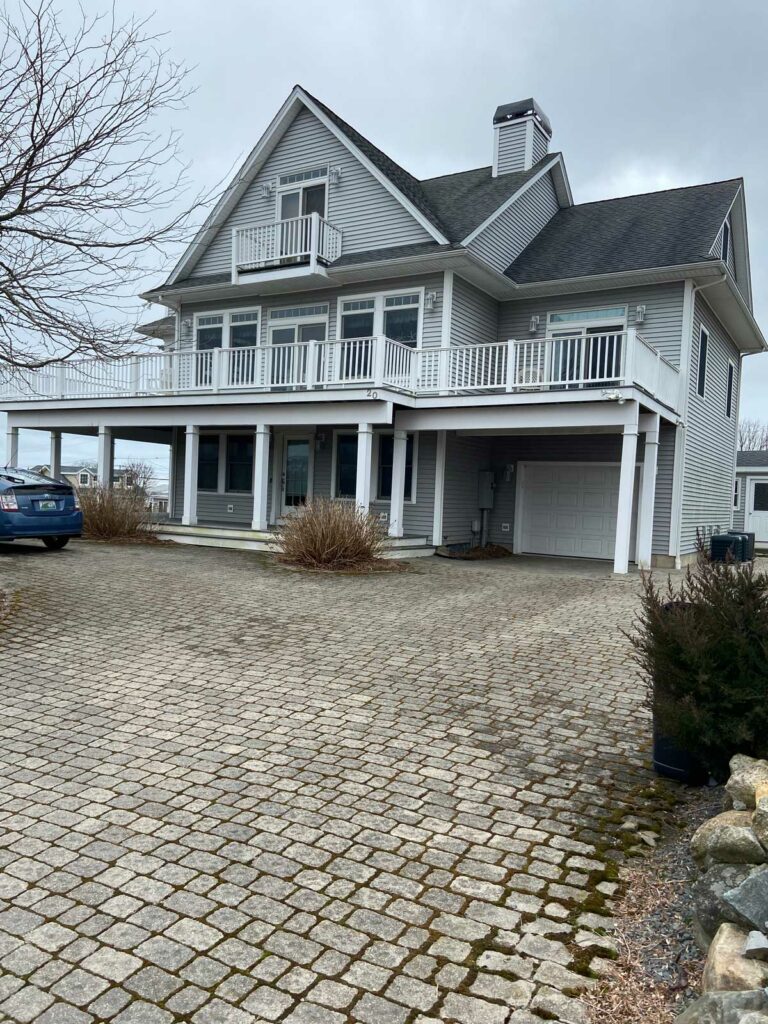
x: 659, y: 192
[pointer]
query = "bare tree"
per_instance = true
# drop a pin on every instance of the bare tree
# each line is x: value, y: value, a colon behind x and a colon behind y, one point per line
x: 138, y: 475
x: 88, y: 185
x: 753, y: 436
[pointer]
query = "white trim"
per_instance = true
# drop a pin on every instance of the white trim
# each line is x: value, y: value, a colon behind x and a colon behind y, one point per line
x: 584, y: 325
x: 495, y: 163
x: 379, y: 309
x: 731, y: 366
x: 513, y: 198
x: 172, y: 471
x: 439, y: 493
x: 528, y: 154
x: 377, y: 435
x: 447, y: 311
x: 737, y: 495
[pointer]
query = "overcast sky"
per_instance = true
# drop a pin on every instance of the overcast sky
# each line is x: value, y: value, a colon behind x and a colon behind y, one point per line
x: 641, y: 96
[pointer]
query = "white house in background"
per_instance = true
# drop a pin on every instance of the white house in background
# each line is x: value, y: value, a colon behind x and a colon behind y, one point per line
x: 468, y: 356
x: 750, y: 496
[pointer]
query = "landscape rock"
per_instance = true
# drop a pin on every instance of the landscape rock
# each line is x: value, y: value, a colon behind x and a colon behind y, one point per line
x: 754, y: 1017
x: 756, y: 947
x: 760, y: 817
x: 727, y: 839
x: 710, y: 907
x: 749, y: 900
x: 746, y: 774
x: 727, y: 969
x: 724, y: 1007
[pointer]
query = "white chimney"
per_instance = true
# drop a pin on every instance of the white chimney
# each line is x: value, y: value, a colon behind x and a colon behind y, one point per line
x: 521, y: 134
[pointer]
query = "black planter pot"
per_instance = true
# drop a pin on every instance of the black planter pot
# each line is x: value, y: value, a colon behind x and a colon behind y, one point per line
x: 672, y: 762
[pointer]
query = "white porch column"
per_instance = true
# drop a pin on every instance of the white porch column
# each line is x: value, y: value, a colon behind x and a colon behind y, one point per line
x: 260, y: 477
x: 364, y: 462
x: 437, y: 517
x: 626, y: 498
x: 399, y: 451
x: 650, y: 425
x: 191, y: 447
x: 106, y: 457
x: 55, y: 459
x: 12, y: 446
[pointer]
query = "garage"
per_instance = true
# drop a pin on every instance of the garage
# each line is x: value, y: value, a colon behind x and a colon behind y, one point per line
x: 569, y: 509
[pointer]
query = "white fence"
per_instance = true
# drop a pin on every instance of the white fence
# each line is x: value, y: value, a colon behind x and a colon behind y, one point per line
x: 550, y: 365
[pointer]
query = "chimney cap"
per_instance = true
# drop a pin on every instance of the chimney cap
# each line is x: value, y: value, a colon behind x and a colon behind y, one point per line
x: 522, y: 108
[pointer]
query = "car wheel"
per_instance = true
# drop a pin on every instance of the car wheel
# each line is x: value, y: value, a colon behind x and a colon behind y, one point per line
x: 55, y: 543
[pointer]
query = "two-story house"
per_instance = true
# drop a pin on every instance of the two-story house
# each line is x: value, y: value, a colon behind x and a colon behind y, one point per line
x: 469, y: 356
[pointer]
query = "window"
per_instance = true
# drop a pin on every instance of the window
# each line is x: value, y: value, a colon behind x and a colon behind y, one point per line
x: 384, y: 481
x: 401, y: 318
x: 760, y: 498
x: 346, y: 465
x: 208, y: 463
x: 299, y: 176
x: 237, y: 329
x: 239, y: 462
x: 588, y: 315
x: 737, y: 493
x: 83, y: 479
x: 701, y: 379
x: 297, y: 312
x: 729, y: 390
x: 725, y: 249
x: 210, y: 331
x: 357, y: 318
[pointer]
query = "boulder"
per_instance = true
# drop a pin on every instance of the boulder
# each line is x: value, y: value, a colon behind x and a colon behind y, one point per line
x: 727, y: 969
x: 727, y: 839
x: 760, y: 817
x: 724, y: 1007
x: 710, y: 908
x: 756, y: 947
x: 754, y: 1017
x: 746, y: 774
x: 749, y: 900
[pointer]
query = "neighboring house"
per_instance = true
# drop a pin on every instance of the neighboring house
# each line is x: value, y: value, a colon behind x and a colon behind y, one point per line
x: 81, y: 476
x: 467, y: 356
x: 750, y: 495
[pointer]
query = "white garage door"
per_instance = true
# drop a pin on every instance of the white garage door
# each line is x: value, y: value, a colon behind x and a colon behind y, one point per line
x: 570, y: 510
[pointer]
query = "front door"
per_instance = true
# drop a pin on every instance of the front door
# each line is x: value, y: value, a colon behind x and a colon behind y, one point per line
x: 757, y: 508
x: 297, y: 469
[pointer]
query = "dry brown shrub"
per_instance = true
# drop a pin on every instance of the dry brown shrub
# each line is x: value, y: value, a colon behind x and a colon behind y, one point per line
x: 326, y: 534
x: 110, y: 513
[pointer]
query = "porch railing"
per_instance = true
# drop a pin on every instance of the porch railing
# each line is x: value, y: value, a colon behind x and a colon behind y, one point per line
x: 285, y: 241
x: 542, y: 366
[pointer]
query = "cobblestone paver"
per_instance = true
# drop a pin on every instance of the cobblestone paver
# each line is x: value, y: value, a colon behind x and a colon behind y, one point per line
x: 230, y: 793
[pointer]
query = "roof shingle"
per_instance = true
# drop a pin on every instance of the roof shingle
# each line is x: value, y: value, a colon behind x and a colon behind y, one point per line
x: 655, y: 229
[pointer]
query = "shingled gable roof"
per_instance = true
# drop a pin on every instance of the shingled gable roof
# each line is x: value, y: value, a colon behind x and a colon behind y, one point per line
x: 640, y: 232
x: 752, y: 460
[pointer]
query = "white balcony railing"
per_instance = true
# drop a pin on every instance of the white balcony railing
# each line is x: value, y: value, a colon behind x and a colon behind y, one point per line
x: 544, y: 366
x: 285, y: 241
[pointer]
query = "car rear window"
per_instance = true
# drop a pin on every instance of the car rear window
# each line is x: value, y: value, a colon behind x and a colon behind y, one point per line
x: 23, y: 476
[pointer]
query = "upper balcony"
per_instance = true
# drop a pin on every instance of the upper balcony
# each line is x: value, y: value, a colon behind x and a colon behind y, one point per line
x: 307, y: 244
x: 549, y: 369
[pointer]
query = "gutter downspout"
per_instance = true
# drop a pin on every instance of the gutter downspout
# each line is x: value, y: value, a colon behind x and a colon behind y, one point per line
x: 678, y: 472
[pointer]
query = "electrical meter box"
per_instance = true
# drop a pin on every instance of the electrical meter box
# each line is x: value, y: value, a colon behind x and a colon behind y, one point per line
x: 485, y: 488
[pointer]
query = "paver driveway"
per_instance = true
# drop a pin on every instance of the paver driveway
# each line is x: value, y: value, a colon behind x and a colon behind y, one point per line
x: 233, y: 793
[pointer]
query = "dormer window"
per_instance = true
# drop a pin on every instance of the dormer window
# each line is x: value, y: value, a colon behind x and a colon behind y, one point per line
x: 725, y: 250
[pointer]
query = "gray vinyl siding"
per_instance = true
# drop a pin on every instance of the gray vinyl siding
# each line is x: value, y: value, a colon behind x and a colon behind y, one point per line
x: 369, y: 216
x: 465, y: 457
x: 662, y: 512
x: 707, y: 499
x: 504, y: 238
x: 663, y: 325
x: 214, y: 507
x: 474, y: 315
x: 511, y: 151
x: 540, y: 145
x: 431, y: 322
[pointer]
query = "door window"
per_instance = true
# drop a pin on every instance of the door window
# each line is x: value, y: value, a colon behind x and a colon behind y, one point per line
x: 760, y: 498
x: 401, y: 318
x: 296, y: 472
x: 346, y: 465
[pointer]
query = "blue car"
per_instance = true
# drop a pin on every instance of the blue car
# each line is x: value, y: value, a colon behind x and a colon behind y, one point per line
x: 36, y: 506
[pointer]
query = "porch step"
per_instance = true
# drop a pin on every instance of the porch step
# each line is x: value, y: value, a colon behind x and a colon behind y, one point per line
x: 259, y: 540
